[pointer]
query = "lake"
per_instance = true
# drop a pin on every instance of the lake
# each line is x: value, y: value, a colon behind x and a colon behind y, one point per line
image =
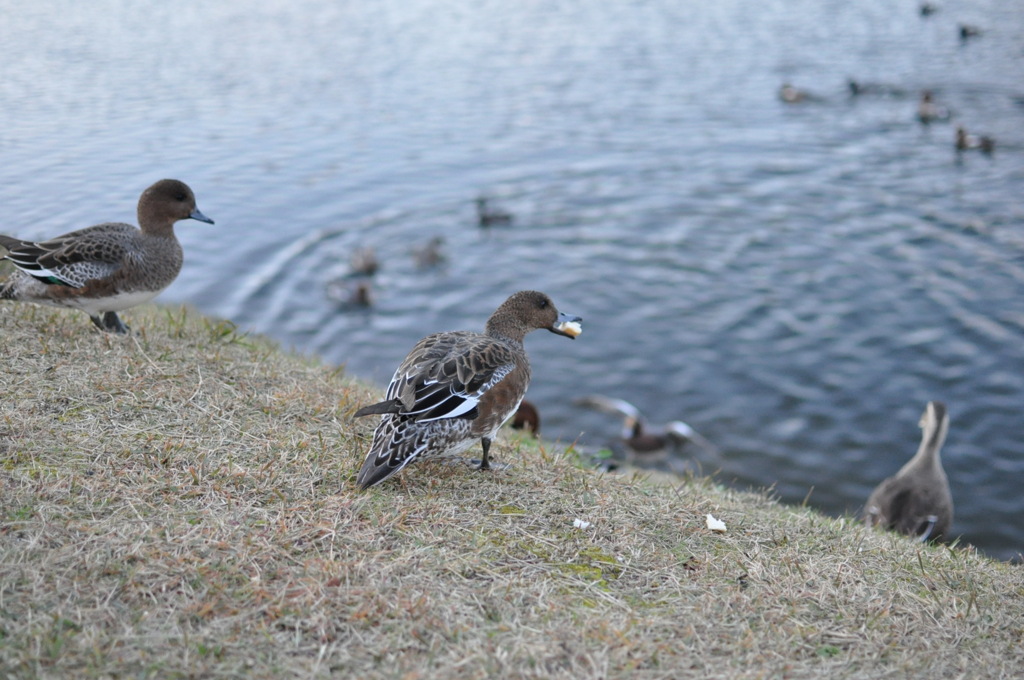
x: 795, y: 281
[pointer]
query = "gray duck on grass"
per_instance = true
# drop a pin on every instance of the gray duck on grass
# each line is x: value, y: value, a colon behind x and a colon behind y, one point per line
x: 916, y: 500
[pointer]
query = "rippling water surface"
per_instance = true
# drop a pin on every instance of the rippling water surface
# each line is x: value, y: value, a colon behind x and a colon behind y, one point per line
x: 795, y: 281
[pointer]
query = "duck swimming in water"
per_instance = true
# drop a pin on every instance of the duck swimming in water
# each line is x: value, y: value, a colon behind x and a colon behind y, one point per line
x: 363, y: 262
x: 790, y: 94
x: 928, y: 111
x: 968, y: 31
x: 966, y: 142
x: 490, y: 217
x: 351, y: 293
x: 858, y: 88
x: 430, y: 254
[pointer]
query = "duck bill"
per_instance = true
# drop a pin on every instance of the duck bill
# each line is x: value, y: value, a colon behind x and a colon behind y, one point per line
x: 569, y: 326
x: 197, y: 215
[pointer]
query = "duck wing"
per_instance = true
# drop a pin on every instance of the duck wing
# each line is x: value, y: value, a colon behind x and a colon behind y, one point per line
x: 911, y: 510
x: 444, y: 376
x: 610, y: 405
x: 684, y: 432
x: 633, y: 422
x: 75, y: 258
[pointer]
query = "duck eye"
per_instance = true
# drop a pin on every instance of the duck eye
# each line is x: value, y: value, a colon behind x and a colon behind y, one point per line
x: 180, y: 197
x: 543, y: 304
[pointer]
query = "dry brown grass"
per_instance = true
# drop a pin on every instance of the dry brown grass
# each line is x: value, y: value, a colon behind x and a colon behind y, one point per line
x: 181, y: 504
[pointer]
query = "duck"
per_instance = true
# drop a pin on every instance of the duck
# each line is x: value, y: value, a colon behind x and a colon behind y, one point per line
x: 356, y: 293
x: 790, y: 94
x: 928, y: 110
x: 965, y: 142
x: 490, y: 217
x: 638, y: 442
x: 430, y: 254
x: 527, y: 418
x: 916, y: 501
x: 458, y: 387
x: 363, y: 262
x: 858, y: 88
x: 968, y: 31
x: 109, y: 267
x: 927, y: 9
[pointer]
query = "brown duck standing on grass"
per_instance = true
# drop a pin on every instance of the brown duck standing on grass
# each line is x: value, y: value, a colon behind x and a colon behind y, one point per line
x: 458, y: 387
x: 916, y: 500
x: 108, y: 267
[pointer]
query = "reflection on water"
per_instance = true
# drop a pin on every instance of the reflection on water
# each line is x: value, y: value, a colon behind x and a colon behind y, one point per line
x: 796, y: 281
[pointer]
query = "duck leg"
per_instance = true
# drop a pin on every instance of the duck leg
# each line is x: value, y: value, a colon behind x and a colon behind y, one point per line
x: 485, y: 464
x: 110, y: 323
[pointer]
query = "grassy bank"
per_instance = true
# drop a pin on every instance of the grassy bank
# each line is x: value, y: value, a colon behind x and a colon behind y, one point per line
x: 181, y: 503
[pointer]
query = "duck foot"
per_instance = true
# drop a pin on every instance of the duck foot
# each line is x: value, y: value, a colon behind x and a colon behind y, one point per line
x: 488, y: 465
x: 475, y: 463
x: 929, y: 525
x: 110, y: 323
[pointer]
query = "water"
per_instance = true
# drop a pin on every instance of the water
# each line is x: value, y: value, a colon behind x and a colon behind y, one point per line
x: 794, y: 281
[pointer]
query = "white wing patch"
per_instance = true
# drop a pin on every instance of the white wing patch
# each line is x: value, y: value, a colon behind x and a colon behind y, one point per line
x: 458, y: 404
x: 75, y: 275
x: 452, y: 406
x: 38, y: 272
x: 439, y: 400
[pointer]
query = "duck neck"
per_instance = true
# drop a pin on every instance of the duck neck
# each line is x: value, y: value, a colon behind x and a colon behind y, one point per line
x: 160, y: 228
x: 927, y: 456
x: 510, y: 333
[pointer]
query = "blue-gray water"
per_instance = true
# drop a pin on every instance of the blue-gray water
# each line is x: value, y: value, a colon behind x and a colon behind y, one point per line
x: 796, y: 281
